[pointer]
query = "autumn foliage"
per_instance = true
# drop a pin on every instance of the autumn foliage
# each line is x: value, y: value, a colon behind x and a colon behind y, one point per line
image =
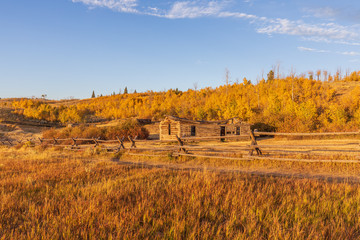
x: 288, y: 104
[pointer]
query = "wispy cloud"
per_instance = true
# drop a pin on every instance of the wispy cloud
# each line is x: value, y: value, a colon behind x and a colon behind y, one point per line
x: 322, y: 12
x: 339, y: 13
x: 117, y: 5
x: 323, y: 32
x: 298, y: 28
x: 194, y: 9
x: 305, y: 49
x: 350, y: 53
x: 240, y: 15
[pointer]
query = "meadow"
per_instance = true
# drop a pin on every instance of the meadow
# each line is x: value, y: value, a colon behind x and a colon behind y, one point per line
x: 52, y: 194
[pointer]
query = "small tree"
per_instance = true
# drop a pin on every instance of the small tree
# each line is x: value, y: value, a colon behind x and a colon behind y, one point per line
x: 270, y: 75
x: 311, y: 75
x: 93, y: 94
x: 318, y: 73
x: 125, y: 90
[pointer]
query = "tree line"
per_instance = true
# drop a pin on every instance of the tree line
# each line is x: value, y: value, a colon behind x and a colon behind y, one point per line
x: 288, y: 104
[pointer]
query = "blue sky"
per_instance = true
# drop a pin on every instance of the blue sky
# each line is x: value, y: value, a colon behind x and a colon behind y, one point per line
x: 68, y: 48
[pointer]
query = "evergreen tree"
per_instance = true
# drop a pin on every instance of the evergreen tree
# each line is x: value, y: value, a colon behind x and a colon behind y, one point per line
x: 93, y: 94
x: 270, y: 75
x: 125, y: 90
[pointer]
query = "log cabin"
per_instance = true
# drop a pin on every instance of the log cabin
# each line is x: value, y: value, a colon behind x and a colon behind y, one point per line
x: 172, y: 126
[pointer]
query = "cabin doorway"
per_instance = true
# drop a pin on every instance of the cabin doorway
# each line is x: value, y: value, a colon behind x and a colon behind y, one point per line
x: 222, y: 132
x: 193, y: 131
x: 238, y: 131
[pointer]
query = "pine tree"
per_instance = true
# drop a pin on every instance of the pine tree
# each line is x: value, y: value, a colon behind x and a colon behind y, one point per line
x: 93, y: 94
x: 270, y: 75
x: 125, y: 90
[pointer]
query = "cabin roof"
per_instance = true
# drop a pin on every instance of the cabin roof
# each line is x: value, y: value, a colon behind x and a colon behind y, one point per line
x: 185, y: 120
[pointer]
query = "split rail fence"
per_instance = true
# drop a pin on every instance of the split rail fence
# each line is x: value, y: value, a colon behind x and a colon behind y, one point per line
x: 235, y: 148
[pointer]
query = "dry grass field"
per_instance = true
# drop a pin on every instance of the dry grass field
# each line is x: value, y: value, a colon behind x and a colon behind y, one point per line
x: 53, y: 194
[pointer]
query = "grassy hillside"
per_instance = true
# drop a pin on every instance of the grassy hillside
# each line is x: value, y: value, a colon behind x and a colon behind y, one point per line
x: 290, y: 104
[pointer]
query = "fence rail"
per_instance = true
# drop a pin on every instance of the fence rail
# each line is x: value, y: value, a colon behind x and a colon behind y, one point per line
x: 186, y: 146
x: 305, y: 134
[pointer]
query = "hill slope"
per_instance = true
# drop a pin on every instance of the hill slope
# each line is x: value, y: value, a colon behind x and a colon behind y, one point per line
x: 290, y: 105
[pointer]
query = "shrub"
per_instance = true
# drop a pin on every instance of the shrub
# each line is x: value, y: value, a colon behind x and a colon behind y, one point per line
x: 127, y: 128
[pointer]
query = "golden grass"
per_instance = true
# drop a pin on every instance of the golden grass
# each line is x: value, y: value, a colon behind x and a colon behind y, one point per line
x: 58, y: 195
x: 324, y: 169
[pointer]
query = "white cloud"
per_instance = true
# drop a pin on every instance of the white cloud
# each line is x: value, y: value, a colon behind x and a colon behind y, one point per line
x: 312, y: 50
x: 350, y: 53
x: 306, y: 49
x: 325, y: 32
x: 322, y: 12
x: 299, y: 28
x: 194, y: 9
x: 238, y: 15
x: 117, y: 5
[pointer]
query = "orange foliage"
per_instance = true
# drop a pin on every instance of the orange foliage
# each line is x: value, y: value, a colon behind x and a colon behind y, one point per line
x: 290, y: 104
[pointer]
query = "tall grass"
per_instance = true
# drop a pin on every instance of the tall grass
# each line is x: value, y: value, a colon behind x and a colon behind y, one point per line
x: 124, y: 129
x: 53, y: 195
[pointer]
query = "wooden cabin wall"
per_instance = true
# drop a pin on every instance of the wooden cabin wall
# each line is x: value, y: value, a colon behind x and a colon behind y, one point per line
x: 210, y: 130
x: 202, y: 130
x: 174, y: 129
x: 245, y: 129
x: 183, y: 129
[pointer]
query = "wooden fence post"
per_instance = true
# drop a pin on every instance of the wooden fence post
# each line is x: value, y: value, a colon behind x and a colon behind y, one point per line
x: 96, y: 142
x: 254, y: 143
x: 132, y: 142
x: 121, y: 143
x: 74, y: 142
x: 181, y: 144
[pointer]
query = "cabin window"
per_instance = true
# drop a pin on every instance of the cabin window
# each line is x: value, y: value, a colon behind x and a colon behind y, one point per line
x: 237, y: 130
x: 169, y: 129
x: 193, y: 131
